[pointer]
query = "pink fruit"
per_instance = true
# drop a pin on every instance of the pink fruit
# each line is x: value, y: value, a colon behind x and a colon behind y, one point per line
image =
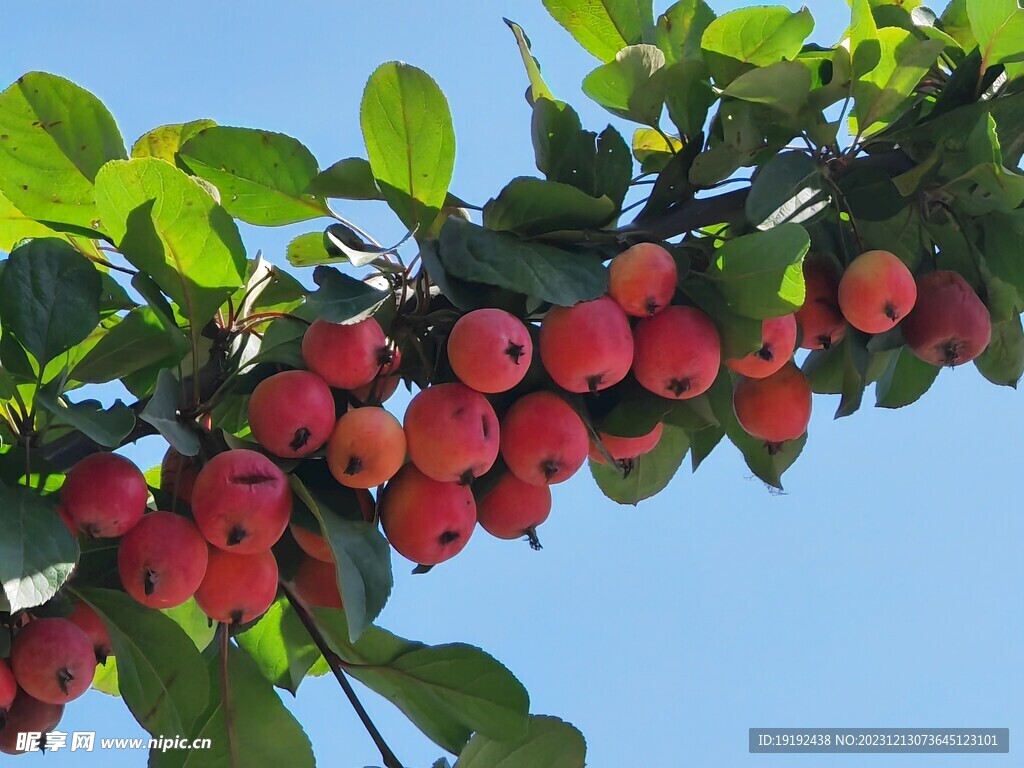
x: 678, y: 353
x: 588, y: 346
x: 241, y: 501
x: 384, y: 384
x: 778, y: 341
x: 490, y: 350
x: 238, y: 588
x: 774, y: 409
x: 876, y: 292
x: 105, y: 495
x: 513, y: 509
x: 346, y: 356
x: 53, y: 660
x: 427, y: 521
x: 28, y: 715
x: 87, y: 620
x: 162, y: 560
x: 452, y: 433
x: 291, y: 413
x: 626, y: 448
x: 543, y: 440
x: 642, y: 279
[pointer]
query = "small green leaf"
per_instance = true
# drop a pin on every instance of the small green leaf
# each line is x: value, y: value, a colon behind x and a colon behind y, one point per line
x: 753, y: 37
x: 882, y: 94
x: 280, y: 646
x: 165, y: 142
x: 37, y: 553
x: 246, y: 722
x: 534, y: 269
x: 49, y: 297
x: 531, y: 207
x: 549, y: 743
x: 653, y: 150
x: 998, y: 26
x: 1002, y: 362
x: 362, y: 558
x: 105, y: 679
x: 106, y: 426
x: 630, y: 87
x: 190, y: 617
x: 905, y: 379
x: 160, y: 674
x: 308, y: 250
x: 603, y: 27
x: 343, y: 299
x: 788, y: 188
x: 263, y: 177
x: 647, y: 475
x: 55, y: 138
x: 170, y: 227
x: 162, y: 411
x: 139, y: 340
x: 688, y: 96
x: 538, y: 88
x: 761, y: 274
x: 410, y: 141
x: 855, y: 372
x: 350, y: 179
x: 680, y: 29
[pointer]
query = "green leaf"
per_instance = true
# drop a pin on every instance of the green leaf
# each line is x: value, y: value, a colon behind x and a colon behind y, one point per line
x: 282, y: 343
x: 49, y: 297
x: 448, y: 691
x: 343, y: 299
x: 190, y: 617
x: 362, y: 558
x: 905, y: 379
x: 308, y: 250
x: 768, y: 466
x: 680, y: 29
x: 538, y: 88
x: 410, y: 141
x: 106, y: 426
x: 160, y: 674
x: 788, y: 188
x: 688, y: 96
x: 739, y: 335
x: 162, y: 411
x: 531, y: 207
x: 998, y: 26
x: 882, y: 94
x: 165, y: 142
x: 955, y: 22
x: 549, y: 743
x: 855, y: 372
x: 647, y: 475
x: 753, y: 37
x: 630, y: 86
x: 247, y: 724
x: 280, y: 646
x: 761, y: 274
x: 262, y: 176
x: 350, y: 179
x: 136, y: 342
x: 784, y: 86
x: 168, y: 226
x: 1002, y: 362
x: 105, y: 679
x: 603, y: 27
x: 37, y: 553
x: 55, y: 137
x: 15, y: 226
x: 534, y: 269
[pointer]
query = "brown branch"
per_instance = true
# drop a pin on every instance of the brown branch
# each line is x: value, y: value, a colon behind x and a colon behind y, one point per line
x: 337, y: 665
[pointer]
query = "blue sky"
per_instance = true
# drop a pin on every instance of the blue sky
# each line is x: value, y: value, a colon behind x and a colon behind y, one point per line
x: 882, y: 589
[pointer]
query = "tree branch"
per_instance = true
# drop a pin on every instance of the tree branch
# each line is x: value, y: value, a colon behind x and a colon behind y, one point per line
x: 337, y: 665
x: 698, y: 213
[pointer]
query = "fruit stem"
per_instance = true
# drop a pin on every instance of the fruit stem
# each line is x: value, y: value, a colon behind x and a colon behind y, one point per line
x: 337, y: 665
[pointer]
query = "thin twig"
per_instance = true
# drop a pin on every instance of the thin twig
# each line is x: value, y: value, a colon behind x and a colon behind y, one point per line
x: 337, y: 664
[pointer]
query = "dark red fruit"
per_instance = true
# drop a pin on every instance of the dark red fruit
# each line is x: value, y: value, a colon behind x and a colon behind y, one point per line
x: 950, y: 325
x: 819, y: 320
x: 543, y: 440
x: 8, y: 690
x: 677, y: 354
x: 346, y: 356
x: 242, y: 502
x: 28, y: 715
x: 87, y: 620
x: 105, y: 495
x: 178, y: 475
x: 778, y: 341
x: 588, y: 346
x: 316, y: 583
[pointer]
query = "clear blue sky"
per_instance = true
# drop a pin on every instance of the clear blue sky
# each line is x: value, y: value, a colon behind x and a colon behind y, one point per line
x: 882, y: 589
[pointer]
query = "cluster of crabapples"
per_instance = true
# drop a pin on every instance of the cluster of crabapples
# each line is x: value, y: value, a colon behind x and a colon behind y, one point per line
x: 241, y: 501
